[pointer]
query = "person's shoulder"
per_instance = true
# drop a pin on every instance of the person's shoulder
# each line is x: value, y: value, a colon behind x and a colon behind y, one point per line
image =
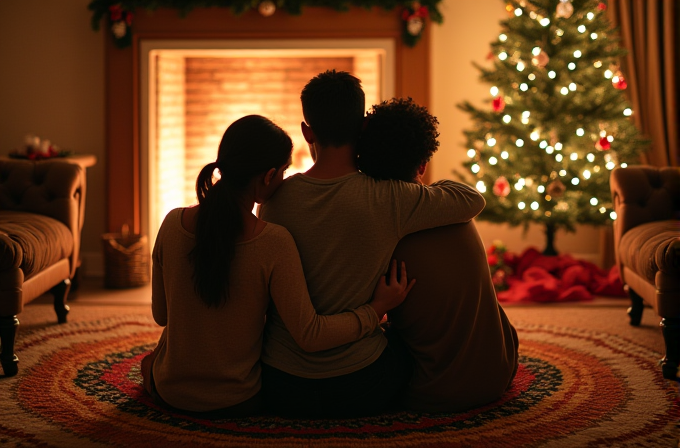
x: 286, y: 190
x: 278, y: 241
x: 173, y: 217
x: 277, y: 232
x: 391, y: 185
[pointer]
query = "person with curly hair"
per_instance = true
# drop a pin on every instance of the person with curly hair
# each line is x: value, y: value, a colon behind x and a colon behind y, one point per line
x: 346, y: 226
x: 463, y: 345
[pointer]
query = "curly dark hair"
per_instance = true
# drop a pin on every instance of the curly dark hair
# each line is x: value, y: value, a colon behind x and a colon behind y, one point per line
x: 399, y: 136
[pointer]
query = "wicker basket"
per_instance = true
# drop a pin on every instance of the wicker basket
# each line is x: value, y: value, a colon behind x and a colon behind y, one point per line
x: 126, y: 259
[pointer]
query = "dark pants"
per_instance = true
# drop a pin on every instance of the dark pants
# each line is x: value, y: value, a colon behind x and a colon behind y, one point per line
x: 375, y: 388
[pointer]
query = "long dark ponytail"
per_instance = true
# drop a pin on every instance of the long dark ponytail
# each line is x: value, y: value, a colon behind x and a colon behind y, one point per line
x: 250, y: 146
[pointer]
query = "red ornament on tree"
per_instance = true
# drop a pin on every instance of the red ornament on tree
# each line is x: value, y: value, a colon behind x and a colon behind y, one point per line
x: 498, y: 104
x: 619, y: 82
x: 603, y: 144
x: 602, y: 6
x: 498, y: 279
x: 501, y: 187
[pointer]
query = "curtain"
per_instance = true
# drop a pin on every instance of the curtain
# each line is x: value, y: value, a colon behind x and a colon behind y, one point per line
x: 649, y: 31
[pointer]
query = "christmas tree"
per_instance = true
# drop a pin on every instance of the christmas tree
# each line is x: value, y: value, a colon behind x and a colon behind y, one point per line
x: 557, y: 121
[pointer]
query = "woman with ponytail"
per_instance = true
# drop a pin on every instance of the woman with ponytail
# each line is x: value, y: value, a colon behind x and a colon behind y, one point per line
x: 217, y: 268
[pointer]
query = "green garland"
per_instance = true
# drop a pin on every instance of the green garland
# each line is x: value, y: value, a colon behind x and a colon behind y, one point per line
x: 119, y: 14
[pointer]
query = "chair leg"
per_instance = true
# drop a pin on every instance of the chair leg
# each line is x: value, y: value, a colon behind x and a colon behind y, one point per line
x: 671, y: 335
x: 60, y: 293
x: 636, y: 308
x: 9, y: 327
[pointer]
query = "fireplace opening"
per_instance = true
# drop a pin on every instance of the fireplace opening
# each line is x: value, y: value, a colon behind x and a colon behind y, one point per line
x: 192, y: 91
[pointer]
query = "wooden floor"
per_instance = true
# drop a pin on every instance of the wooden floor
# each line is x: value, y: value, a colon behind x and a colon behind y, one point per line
x: 91, y: 291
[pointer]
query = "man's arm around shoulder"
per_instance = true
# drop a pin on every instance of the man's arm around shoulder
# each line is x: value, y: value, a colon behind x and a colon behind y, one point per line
x: 442, y: 203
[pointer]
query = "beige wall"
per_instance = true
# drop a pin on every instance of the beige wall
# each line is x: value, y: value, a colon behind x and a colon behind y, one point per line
x: 465, y: 36
x: 52, y: 85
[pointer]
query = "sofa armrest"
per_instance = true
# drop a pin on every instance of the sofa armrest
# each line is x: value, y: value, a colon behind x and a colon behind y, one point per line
x: 51, y: 188
x: 642, y: 194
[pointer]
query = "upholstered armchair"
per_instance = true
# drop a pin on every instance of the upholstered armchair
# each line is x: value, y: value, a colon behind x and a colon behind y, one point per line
x: 647, y: 243
x: 42, y: 207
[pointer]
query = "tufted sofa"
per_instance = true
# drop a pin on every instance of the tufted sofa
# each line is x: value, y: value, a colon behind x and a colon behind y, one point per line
x: 647, y: 242
x: 42, y: 205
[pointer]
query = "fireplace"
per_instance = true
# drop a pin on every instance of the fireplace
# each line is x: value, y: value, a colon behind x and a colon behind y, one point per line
x: 213, y: 36
x: 193, y: 90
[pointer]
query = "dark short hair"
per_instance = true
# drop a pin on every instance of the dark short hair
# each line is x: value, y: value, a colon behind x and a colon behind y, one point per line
x: 399, y: 136
x: 333, y: 104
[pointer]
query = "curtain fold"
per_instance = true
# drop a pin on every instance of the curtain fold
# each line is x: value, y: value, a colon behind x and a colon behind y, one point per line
x: 649, y: 31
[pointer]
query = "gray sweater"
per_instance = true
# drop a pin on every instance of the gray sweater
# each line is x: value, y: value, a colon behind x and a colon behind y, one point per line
x: 346, y: 230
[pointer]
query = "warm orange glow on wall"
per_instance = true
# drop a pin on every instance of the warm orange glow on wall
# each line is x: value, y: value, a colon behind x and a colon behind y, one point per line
x: 196, y: 98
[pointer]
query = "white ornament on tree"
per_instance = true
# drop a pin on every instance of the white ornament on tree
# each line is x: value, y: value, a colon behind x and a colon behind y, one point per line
x: 414, y: 26
x: 119, y: 29
x: 564, y: 9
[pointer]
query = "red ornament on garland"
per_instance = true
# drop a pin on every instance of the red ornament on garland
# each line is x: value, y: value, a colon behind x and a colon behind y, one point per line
x: 603, y: 144
x: 498, y: 104
x: 602, y: 6
x: 116, y: 12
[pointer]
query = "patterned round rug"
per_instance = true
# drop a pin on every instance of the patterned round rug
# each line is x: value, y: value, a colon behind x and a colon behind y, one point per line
x: 79, y: 385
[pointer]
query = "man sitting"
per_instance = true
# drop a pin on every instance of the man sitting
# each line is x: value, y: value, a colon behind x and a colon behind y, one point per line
x: 464, y: 347
x: 346, y: 226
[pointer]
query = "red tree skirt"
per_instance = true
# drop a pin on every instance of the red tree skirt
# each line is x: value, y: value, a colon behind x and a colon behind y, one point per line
x: 560, y: 278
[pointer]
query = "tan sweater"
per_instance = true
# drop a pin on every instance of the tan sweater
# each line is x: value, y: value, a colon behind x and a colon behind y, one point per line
x: 464, y: 346
x: 209, y: 357
x: 346, y: 229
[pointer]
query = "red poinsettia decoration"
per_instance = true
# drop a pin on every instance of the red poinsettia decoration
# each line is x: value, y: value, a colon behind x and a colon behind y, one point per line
x: 115, y: 12
x: 501, y: 187
x: 415, y: 11
x: 603, y: 144
x: 498, y: 104
x: 492, y: 259
x: 496, y: 256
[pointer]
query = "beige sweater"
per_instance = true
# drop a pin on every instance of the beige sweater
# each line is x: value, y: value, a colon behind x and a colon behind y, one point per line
x: 209, y: 357
x: 346, y: 229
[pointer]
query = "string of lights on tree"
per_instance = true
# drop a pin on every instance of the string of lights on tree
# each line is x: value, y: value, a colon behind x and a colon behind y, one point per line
x: 119, y: 14
x: 557, y: 121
